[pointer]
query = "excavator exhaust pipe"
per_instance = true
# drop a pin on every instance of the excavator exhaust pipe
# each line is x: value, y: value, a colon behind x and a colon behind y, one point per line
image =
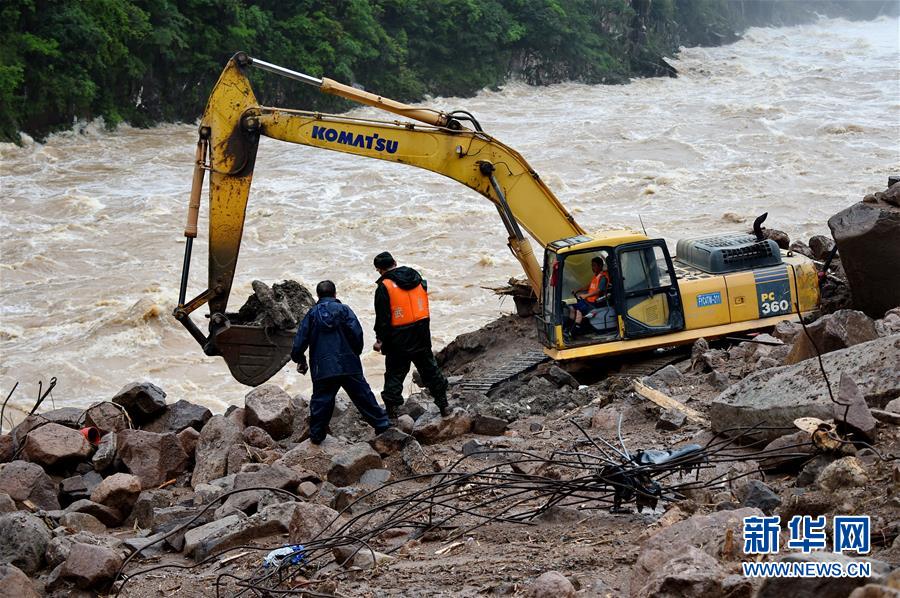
x: 253, y: 353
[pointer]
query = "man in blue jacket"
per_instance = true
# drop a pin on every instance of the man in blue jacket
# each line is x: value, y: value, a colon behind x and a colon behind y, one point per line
x: 334, y: 337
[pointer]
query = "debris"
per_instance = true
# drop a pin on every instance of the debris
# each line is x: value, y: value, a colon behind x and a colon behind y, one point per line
x: 283, y: 305
x: 667, y: 402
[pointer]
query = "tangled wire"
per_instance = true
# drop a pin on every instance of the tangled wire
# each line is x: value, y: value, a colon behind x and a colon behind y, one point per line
x: 507, y: 486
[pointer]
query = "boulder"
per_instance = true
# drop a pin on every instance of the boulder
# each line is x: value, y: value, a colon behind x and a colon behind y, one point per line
x: 188, y: 438
x: 359, y: 557
x: 820, y: 246
x: 69, y: 417
x: 216, y: 439
x: 73, y: 488
x: 105, y: 454
x: 416, y: 461
x: 671, y: 420
x: 820, y: 587
x: 870, y: 262
x: 488, y: 425
x: 787, y: 331
x: 390, y: 441
x: 561, y: 377
x: 23, y: 541
x: 846, y: 472
x: 844, y: 328
x: 27, y: 481
x: 779, y: 395
x: 271, y: 520
x: 179, y: 416
x: 779, y: 236
x: 106, y: 417
x: 15, y: 584
x: 106, y: 515
x: 348, y: 466
x: 406, y: 423
x: 308, y: 520
x: 790, y: 451
x: 59, y: 547
x: 7, y: 448
x: 147, y: 501
x: 7, y: 504
x: 691, y: 574
x: 889, y: 324
x: 119, y: 491
x: 142, y: 401
x: 54, y: 445
x: 706, y: 533
x: 853, y: 414
x: 551, y: 584
x: 269, y: 407
x: 432, y: 428
x: 82, y: 522
x: 758, y: 495
x: 91, y: 567
x: 154, y: 458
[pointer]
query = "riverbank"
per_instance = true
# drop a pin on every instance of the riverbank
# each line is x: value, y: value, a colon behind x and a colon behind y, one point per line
x: 515, y: 491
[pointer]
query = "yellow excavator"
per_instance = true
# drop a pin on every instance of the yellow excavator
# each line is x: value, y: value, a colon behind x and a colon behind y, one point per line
x: 717, y: 285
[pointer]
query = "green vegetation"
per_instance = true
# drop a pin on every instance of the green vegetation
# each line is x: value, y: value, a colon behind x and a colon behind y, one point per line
x: 147, y: 61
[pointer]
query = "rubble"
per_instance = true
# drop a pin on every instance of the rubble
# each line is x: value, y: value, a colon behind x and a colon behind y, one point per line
x: 178, y: 484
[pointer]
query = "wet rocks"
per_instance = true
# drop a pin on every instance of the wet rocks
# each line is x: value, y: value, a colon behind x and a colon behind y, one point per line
x: 844, y: 328
x: 119, y: 491
x: 551, y: 584
x: 154, y: 458
x: 779, y: 395
x: 106, y: 515
x: 27, y: 481
x: 142, y: 400
x: 23, y: 541
x: 282, y: 306
x: 105, y: 454
x: 179, y: 416
x: 432, y: 428
x: 54, y: 445
x: 860, y: 232
x: 89, y: 566
x: 348, y: 466
x: 106, y: 417
x: 216, y: 439
x: 269, y: 407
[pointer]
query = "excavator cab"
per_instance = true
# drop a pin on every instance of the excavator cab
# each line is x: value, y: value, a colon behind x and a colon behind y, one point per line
x: 643, y: 299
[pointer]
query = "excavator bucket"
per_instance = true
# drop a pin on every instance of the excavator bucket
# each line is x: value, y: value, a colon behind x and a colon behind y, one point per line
x: 253, y: 353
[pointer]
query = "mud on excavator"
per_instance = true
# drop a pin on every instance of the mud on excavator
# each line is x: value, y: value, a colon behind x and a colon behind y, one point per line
x: 716, y: 285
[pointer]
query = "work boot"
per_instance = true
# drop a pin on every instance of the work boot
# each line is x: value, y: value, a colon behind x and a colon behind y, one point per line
x: 392, y: 414
x: 443, y: 406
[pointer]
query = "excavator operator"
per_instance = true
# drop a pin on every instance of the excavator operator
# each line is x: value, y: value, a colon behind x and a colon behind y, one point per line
x: 403, y: 333
x: 593, y: 294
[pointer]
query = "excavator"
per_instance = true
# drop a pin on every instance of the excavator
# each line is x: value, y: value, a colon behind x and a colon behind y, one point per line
x: 716, y: 285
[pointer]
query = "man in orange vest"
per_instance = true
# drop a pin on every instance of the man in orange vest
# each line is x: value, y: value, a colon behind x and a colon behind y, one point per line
x: 403, y: 333
x: 592, y: 295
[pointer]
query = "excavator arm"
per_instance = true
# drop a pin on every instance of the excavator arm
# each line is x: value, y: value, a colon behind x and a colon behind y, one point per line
x: 229, y: 137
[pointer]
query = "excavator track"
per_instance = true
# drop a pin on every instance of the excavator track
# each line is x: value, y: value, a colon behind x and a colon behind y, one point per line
x: 512, y: 369
x: 648, y: 366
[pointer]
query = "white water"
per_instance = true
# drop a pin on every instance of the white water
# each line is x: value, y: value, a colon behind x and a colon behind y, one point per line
x: 800, y: 122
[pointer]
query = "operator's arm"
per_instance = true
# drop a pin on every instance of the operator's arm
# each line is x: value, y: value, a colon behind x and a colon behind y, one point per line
x: 382, y: 315
x: 600, y: 292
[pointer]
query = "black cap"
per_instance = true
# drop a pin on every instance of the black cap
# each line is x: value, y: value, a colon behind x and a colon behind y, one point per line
x: 384, y: 260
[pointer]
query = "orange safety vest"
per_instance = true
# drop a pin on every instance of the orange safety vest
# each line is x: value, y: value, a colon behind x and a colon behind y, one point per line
x: 407, y: 306
x: 594, y: 289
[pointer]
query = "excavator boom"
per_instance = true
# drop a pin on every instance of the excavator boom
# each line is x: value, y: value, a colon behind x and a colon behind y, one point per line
x: 230, y: 129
